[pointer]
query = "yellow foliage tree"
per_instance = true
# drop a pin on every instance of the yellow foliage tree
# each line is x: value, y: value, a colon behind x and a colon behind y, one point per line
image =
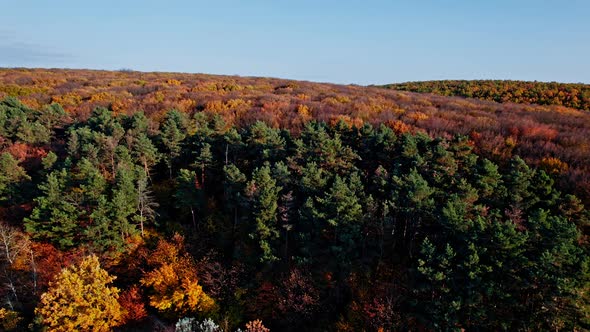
x: 9, y: 320
x: 173, y: 282
x: 553, y: 165
x: 80, y: 299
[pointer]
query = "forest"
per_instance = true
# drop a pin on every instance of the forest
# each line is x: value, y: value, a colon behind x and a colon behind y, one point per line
x: 569, y: 95
x: 186, y: 202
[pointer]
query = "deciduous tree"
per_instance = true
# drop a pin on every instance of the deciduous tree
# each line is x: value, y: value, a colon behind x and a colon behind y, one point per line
x: 81, y: 298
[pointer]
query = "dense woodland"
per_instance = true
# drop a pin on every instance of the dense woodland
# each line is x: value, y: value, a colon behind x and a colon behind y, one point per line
x: 552, y: 137
x: 209, y: 203
x: 522, y: 92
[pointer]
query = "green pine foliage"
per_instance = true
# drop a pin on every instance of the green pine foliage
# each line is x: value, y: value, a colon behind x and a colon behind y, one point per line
x: 330, y: 227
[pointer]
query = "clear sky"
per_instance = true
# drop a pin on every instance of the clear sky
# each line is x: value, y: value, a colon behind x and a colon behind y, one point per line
x: 362, y: 42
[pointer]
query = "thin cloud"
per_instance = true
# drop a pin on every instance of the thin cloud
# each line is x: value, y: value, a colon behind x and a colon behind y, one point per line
x: 24, y: 54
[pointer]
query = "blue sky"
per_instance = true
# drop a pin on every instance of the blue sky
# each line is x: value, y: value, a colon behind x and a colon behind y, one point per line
x: 361, y: 42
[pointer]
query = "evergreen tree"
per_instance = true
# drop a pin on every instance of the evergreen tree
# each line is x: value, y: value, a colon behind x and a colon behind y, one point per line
x: 145, y: 153
x: 189, y: 193
x: 56, y: 216
x: 263, y: 193
x: 102, y: 232
x: 173, y: 132
x: 340, y: 218
x: 264, y: 143
x: 203, y: 160
x: 124, y: 202
x: 234, y: 185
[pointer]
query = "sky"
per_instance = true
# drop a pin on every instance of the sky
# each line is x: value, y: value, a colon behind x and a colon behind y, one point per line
x: 349, y: 42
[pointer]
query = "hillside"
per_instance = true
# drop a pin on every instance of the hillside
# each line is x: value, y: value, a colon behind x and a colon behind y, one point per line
x: 554, y: 137
x: 194, y: 202
x: 521, y: 92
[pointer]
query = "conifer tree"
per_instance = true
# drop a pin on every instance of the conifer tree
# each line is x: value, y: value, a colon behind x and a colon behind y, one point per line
x: 56, y: 216
x: 172, y: 134
x: 263, y: 193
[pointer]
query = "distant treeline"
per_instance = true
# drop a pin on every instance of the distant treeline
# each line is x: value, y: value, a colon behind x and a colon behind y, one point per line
x: 521, y: 92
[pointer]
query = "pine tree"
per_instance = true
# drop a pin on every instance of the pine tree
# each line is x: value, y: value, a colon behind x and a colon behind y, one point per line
x: 145, y: 153
x: 234, y: 184
x: 55, y: 218
x: 102, y: 232
x: 124, y: 202
x: 172, y: 134
x: 341, y: 218
x: 189, y: 194
x: 264, y: 143
x: 203, y: 160
x: 263, y: 193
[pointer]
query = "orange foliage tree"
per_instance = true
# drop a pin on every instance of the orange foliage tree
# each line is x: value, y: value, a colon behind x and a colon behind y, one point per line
x: 132, y: 303
x: 256, y: 326
x: 172, y: 283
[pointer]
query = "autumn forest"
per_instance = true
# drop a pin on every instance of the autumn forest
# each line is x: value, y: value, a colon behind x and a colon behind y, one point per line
x: 135, y: 201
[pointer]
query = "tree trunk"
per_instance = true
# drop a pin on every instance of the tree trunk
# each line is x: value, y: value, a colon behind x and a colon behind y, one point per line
x: 146, y: 169
x: 203, y: 175
x: 235, y: 219
x: 141, y: 221
x: 34, y: 267
x: 193, y: 215
x: 226, y: 153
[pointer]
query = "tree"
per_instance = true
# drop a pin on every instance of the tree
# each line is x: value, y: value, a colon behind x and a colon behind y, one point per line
x: 133, y: 305
x: 413, y: 200
x: 340, y: 218
x: 263, y: 194
x: 81, y: 298
x: 172, y: 283
x: 17, y: 267
x: 316, y: 145
x: 49, y: 161
x: 107, y: 132
x: 172, y: 135
x: 299, y: 298
x: 18, y: 123
x: 203, y: 160
x: 103, y: 233
x: 146, y: 153
x: 256, y: 326
x: 233, y: 144
x: 146, y: 204
x: 11, y: 175
x: 188, y: 192
x: 234, y: 184
x: 51, y: 116
x: 55, y: 218
x: 264, y: 142
x: 124, y: 202
x: 190, y: 324
x: 518, y: 182
x: 488, y: 180
x: 10, y: 320
x: 90, y: 181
